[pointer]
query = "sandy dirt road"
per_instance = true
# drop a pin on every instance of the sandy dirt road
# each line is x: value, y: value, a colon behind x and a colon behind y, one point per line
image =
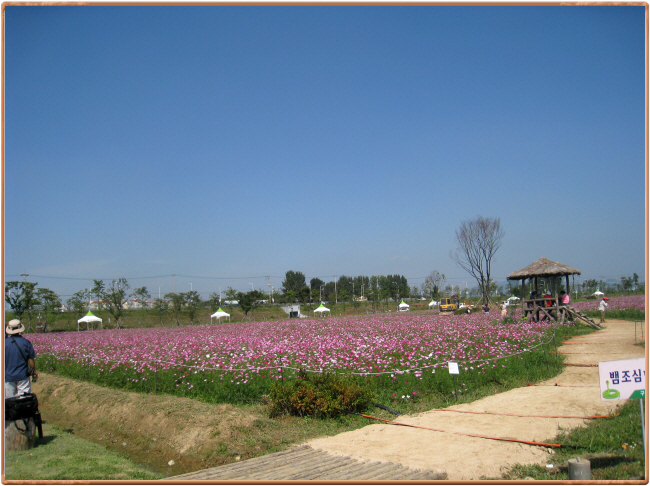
x: 575, y: 392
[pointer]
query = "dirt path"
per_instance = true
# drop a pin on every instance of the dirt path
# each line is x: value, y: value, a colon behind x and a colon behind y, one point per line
x: 471, y: 458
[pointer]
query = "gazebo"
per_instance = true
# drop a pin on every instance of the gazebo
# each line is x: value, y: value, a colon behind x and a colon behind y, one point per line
x: 88, y: 318
x: 548, y: 306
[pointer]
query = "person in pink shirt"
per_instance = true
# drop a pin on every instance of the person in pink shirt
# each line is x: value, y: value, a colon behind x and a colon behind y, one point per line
x: 564, y: 298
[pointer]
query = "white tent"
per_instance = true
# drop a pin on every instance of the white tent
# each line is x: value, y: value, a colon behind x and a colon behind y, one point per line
x: 219, y: 314
x: 321, y: 308
x: 88, y: 318
x: 513, y: 299
x: 403, y: 306
x: 433, y: 303
x: 598, y: 293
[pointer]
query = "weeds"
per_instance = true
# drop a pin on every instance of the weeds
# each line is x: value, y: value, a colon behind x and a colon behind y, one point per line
x: 322, y: 396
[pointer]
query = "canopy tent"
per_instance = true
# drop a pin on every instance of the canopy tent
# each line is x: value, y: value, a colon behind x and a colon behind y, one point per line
x: 88, y: 318
x: 432, y: 303
x: 219, y: 314
x: 321, y: 308
x: 598, y: 293
x: 512, y: 299
x: 403, y: 306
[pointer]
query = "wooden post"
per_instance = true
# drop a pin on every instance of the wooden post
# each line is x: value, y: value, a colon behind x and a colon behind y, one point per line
x: 568, y: 289
x: 19, y: 440
x: 557, y: 300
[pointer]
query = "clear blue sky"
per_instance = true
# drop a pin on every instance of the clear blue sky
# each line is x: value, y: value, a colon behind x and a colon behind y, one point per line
x: 239, y: 142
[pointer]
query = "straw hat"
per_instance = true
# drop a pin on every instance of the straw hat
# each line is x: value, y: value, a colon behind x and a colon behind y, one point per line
x: 14, y: 327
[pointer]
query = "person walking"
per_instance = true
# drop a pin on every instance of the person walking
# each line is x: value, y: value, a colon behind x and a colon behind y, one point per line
x: 19, y: 355
x: 602, y: 307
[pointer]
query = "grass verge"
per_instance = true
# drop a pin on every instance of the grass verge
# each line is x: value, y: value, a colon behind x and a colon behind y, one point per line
x: 613, y: 445
x: 60, y: 455
x: 622, y: 314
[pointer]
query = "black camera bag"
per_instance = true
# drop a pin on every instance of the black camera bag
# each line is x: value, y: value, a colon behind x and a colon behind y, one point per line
x: 21, y: 407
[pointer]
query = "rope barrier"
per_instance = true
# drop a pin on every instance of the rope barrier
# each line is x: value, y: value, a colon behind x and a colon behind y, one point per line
x: 542, y: 444
x: 582, y: 365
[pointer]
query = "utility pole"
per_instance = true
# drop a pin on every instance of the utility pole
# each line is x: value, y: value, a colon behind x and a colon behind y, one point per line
x: 268, y: 280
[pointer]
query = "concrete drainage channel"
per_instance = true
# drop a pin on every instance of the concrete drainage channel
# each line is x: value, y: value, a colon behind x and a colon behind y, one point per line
x: 306, y: 464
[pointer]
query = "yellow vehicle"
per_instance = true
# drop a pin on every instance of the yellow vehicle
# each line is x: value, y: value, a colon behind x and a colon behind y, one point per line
x: 449, y: 304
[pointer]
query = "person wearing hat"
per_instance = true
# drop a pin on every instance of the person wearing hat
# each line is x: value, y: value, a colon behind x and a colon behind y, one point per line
x: 19, y: 353
x: 601, y: 307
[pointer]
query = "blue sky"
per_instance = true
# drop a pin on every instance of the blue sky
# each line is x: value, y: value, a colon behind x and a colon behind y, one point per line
x: 239, y: 142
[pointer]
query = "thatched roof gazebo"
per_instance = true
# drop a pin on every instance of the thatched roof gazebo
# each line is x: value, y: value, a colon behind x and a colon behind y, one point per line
x: 548, y: 306
x: 544, y: 268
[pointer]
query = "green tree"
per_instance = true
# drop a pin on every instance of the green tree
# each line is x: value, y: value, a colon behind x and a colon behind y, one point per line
x: 78, y: 303
x: 329, y: 291
x: 250, y: 300
x: 142, y: 295
x: 627, y: 283
x: 176, y: 302
x: 114, y: 297
x: 49, y: 304
x: 590, y: 286
x: 214, y: 301
x: 293, y: 282
x: 231, y: 295
x: 315, y: 284
x: 192, y: 300
x: 21, y: 297
x: 160, y: 307
x: 98, y: 291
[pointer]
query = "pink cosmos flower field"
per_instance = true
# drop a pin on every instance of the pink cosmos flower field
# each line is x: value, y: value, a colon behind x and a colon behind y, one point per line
x: 367, y: 345
x: 614, y: 303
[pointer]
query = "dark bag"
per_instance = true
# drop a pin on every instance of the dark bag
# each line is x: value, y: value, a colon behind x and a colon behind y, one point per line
x: 24, y: 407
x: 30, y: 369
x: 21, y: 407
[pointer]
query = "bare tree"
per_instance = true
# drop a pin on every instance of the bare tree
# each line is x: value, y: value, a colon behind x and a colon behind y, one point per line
x: 478, y: 240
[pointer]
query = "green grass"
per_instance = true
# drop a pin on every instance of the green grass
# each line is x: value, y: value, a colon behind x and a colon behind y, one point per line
x: 60, y: 455
x: 622, y: 314
x: 613, y: 445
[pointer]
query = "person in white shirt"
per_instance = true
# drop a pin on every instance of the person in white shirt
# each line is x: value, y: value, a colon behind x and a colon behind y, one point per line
x: 601, y: 307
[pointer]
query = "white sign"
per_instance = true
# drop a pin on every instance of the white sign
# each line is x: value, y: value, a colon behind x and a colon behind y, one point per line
x: 453, y: 368
x: 622, y: 379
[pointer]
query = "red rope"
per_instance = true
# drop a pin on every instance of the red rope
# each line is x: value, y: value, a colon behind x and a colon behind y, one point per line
x: 543, y: 444
x: 567, y: 342
x: 584, y: 365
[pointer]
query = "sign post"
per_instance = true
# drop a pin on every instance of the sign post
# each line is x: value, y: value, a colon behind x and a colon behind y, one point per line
x: 621, y: 380
x: 453, y: 371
